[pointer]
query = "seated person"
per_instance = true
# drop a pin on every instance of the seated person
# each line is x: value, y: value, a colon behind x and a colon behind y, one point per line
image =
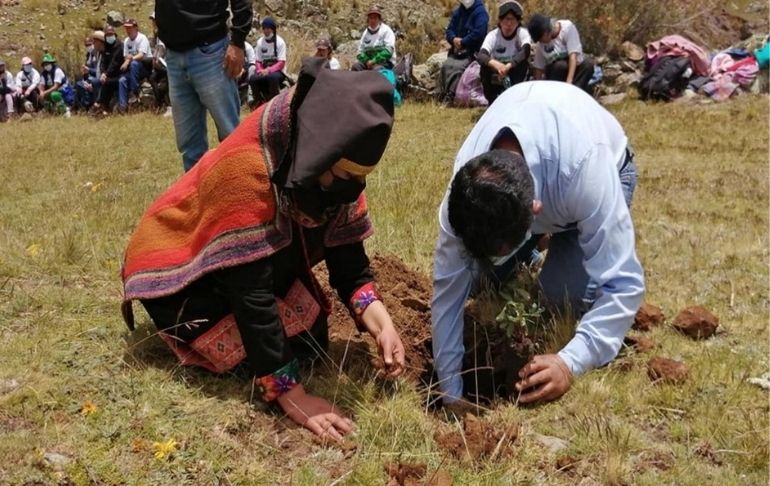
x: 559, y: 53
x: 377, y: 47
x: 109, y: 67
x: 7, y: 90
x: 87, y: 87
x: 249, y: 68
x: 465, y: 32
x: 137, y: 64
x: 324, y: 50
x: 55, y: 92
x: 270, y: 63
x: 27, y: 81
x: 504, y: 56
x: 159, y: 76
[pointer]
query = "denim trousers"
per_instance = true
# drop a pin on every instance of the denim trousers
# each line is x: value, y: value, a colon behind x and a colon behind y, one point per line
x: 83, y: 97
x: 129, y: 82
x: 197, y: 83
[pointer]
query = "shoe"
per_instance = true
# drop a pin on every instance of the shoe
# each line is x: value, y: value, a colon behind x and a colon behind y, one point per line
x: 29, y: 107
x: 67, y: 113
x: 169, y: 113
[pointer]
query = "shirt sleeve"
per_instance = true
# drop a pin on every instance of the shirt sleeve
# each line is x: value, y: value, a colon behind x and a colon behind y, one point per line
x: 524, y: 37
x: 606, y: 236
x: 452, y: 280
x: 243, y: 13
x: 489, y: 42
x: 125, y: 48
x: 572, y: 38
x: 144, y: 47
x: 59, y: 76
x: 390, y: 40
x: 450, y: 29
x: 258, y: 52
x: 281, y: 55
x: 539, y: 61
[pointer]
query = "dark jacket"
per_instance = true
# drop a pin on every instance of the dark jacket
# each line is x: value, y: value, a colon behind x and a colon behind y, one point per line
x: 470, y: 24
x: 185, y: 24
x: 112, y: 59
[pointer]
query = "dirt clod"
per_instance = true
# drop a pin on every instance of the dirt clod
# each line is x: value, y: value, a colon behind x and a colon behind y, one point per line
x: 400, y: 474
x: 641, y: 344
x: 647, y: 317
x: 696, y: 322
x: 566, y: 463
x: 667, y: 370
x: 479, y: 440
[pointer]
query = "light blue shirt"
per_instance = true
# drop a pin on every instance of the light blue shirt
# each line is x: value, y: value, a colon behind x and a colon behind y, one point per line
x: 574, y: 149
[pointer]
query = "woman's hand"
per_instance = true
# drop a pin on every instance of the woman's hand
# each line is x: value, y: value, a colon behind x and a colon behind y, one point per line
x: 315, y: 414
x: 380, y: 326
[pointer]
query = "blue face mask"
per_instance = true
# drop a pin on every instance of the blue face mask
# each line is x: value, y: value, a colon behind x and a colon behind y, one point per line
x: 110, y: 39
x: 498, y: 261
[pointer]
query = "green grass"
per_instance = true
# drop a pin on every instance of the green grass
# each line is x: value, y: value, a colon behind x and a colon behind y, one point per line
x: 701, y: 216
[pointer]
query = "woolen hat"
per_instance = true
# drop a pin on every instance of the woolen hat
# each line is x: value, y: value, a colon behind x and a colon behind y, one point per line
x: 323, y: 43
x: 269, y: 22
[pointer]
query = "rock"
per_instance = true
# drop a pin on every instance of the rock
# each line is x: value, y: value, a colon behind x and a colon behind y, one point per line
x: 601, y: 59
x: 566, y: 463
x: 631, y: 67
x: 647, y: 317
x: 553, y: 444
x: 114, y: 18
x: 632, y: 51
x: 8, y: 385
x: 61, y: 8
x: 56, y: 461
x: 354, y: 34
x: 274, y: 6
x: 612, y: 99
x: 641, y: 344
x: 761, y: 381
x: 349, y: 48
x: 422, y: 77
x: 696, y: 322
x: 611, y: 71
x: 667, y: 370
x: 435, y: 62
x: 628, y: 80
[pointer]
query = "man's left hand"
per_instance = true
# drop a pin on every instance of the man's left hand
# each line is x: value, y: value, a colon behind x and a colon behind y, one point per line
x: 233, y: 61
x: 457, y: 42
x: 548, y: 377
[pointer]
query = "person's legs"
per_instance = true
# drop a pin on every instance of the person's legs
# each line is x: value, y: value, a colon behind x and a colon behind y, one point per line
x: 188, y: 112
x: 358, y: 66
x: 106, y: 92
x: 519, y: 73
x: 124, y: 88
x: 5, y: 107
x: 557, y: 71
x: 491, y: 90
x: 80, y: 93
x: 583, y: 74
x: 137, y: 73
x: 273, y: 83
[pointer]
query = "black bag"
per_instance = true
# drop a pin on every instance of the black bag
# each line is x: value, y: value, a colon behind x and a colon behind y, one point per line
x: 665, y: 79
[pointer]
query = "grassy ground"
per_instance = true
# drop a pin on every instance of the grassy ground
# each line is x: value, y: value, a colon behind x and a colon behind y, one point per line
x: 74, y: 382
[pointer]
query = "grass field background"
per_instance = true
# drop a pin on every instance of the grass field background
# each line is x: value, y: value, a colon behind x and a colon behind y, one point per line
x: 74, y: 382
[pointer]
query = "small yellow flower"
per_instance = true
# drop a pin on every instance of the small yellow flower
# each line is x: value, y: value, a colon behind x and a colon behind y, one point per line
x: 164, y: 449
x: 33, y: 250
x: 96, y: 187
x: 88, y: 408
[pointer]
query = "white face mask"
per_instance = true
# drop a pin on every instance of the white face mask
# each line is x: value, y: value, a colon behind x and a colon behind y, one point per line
x: 501, y: 260
x: 467, y: 3
x: 27, y: 68
x: 110, y: 39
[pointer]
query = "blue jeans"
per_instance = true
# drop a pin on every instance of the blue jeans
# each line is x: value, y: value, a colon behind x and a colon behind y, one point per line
x: 129, y: 82
x: 198, y: 82
x: 84, y: 98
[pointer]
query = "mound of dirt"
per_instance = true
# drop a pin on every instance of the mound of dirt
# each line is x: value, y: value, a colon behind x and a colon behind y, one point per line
x: 647, y: 317
x: 641, y: 344
x: 400, y: 474
x: 479, y: 440
x: 696, y: 322
x: 667, y: 370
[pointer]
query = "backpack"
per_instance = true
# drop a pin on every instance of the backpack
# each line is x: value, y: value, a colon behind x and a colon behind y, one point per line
x: 665, y: 79
x: 403, y: 72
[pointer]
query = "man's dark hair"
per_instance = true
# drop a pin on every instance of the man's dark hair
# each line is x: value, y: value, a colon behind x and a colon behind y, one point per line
x: 490, y: 202
x: 538, y: 25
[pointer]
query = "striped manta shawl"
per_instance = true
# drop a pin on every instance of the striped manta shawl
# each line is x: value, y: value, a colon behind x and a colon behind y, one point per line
x: 225, y: 211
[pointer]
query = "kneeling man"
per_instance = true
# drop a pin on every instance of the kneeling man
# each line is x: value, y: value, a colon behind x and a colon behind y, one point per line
x: 545, y: 158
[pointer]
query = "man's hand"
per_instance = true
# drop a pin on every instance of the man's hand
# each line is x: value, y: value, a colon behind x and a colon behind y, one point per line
x: 392, y: 351
x: 315, y: 414
x: 124, y: 66
x: 233, y: 61
x: 548, y: 374
x: 103, y: 78
x: 457, y: 43
x: 369, y: 64
x: 83, y: 70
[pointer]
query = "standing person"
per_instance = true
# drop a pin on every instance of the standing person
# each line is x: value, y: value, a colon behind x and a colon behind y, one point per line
x: 270, y: 64
x: 137, y: 64
x: 27, y: 82
x: 545, y: 158
x: 87, y: 87
x: 55, y: 92
x: 112, y: 60
x: 559, y: 52
x: 222, y: 261
x: 7, y: 90
x: 465, y: 33
x: 159, y: 75
x: 377, y: 47
x: 504, y: 56
x: 204, y: 64
x: 324, y: 50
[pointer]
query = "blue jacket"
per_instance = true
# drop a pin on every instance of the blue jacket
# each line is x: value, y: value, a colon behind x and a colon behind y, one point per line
x: 470, y: 24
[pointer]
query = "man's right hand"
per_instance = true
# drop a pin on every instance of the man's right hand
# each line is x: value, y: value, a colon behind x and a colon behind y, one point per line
x: 103, y: 78
x: 457, y: 43
x: 315, y: 414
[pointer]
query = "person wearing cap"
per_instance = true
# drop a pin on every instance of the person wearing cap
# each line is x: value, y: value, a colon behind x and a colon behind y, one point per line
x: 377, y: 47
x: 203, y: 64
x: 7, y: 90
x: 559, y: 52
x: 27, y: 82
x: 324, y: 50
x: 159, y: 76
x: 109, y: 68
x: 137, y: 64
x: 222, y: 261
x: 56, y: 94
x: 87, y: 87
x: 270, y: 63
x: 504, y: 55
x: 545, y: 158
x: 465, y: 33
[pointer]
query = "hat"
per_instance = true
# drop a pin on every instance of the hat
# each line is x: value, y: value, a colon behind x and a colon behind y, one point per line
x: 130, y: 23
x: 323, y: 43
x: 97, y: 35
x: 374, y: 9
x: 269, y: 23
x: 49, y: 59
x: 26, y: 60
x: 507, y: 6
x: 538, y: 25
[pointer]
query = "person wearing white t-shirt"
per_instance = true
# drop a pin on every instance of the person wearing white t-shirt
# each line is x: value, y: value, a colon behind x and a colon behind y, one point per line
x: 270, y: 63
x: 559, y: 52
x: 27, y: 81
x: 504, y: 54
x: 137, y: 63
x: 7, y: 90
x: 324, y: 50
x: 377, y: 47
x: 55, y: 92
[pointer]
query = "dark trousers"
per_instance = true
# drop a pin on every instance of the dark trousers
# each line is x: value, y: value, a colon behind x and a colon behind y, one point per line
x: 107, y: 92
x: 265, y: 88
x: 359, y: 66
x: 159, y: 82
x: 584, y: 71
x: 492, y: 85
x: 32, y: 98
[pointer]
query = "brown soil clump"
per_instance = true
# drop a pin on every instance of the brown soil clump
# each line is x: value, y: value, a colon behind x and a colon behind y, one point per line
x: 415, y: 475
x: 641, y: 344
x: 479, y: 440
x: 667, y: 370
x: 696, y: 322
x: 647, y: 317
x: 566, y: 463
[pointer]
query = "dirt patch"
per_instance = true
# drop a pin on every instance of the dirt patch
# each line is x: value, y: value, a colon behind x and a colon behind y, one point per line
x: 566, y: 463
x: 719, y: 28
x: 667, y: 370
x: 696, y: 322
x: 640, y: 344
x: 647, y: 317
x: 415, y: 475
x: 478, y: 440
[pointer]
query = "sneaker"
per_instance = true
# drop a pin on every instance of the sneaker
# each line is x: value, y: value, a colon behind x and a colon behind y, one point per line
x: 169, y: 113
x: 67, y: 113
x: 29, y: 107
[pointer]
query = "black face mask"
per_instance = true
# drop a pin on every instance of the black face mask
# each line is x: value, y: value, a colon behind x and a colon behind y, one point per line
x: 343, y: 191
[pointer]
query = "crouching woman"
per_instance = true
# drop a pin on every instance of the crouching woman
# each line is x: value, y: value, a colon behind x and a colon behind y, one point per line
x: 222, y: 260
